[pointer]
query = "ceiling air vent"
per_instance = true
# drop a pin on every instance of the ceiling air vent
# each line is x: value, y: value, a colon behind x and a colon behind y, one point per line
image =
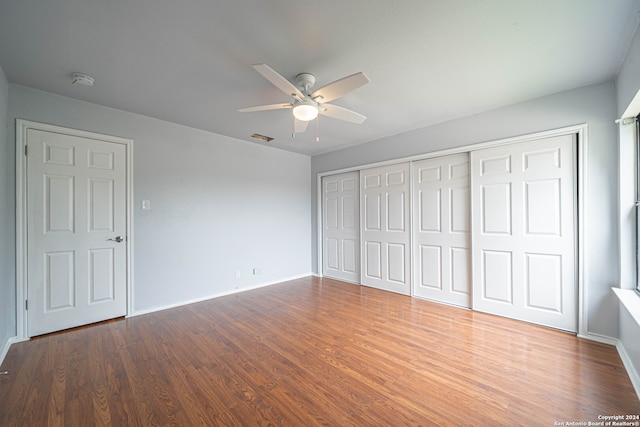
x: 82, y: 79
x: 262, y: 137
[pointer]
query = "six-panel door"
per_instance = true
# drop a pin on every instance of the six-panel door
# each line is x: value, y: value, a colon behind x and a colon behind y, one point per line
x: 341, y: 226
x: 441, y: 239
x: 385, y: 222
x: 524, y: 222
x: 76, y: 196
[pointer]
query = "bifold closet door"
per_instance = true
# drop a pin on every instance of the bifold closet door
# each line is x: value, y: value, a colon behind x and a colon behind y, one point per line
x: 385, y: 223
x: 441, y: 217
x: 523, y: 238
x: 341, y: 226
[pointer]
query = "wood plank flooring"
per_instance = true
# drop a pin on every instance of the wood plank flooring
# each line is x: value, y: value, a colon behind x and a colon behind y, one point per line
x: 312, y: 352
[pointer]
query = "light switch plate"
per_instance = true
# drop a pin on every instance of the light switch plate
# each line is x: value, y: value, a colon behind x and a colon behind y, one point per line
x: 146, y: 205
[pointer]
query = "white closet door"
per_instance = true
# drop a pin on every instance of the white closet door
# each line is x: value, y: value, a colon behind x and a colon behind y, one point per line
x: 385, y: 236
x: 341, y: 227
x: 523, y: 225
x: 441, y: 218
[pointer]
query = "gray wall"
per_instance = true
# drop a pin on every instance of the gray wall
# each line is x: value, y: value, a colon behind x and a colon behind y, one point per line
x: 594, y: 105
x: 217, y: 204
x: 628, y: 80
x: 629, y: 333
x: 627, y: 85
x: 7, y: 221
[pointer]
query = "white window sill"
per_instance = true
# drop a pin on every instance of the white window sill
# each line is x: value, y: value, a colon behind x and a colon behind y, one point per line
x: 631, y: 300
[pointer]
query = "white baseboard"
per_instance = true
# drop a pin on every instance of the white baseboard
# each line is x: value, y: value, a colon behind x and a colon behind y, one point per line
x: 221, y: 294
x: 5, y: 350
x: 604, y: 339
x: 7, y: 346
x: 628, y: 365
x: 626, y: 360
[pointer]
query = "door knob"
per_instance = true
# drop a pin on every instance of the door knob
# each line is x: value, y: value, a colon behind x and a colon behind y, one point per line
x: 118, y: 239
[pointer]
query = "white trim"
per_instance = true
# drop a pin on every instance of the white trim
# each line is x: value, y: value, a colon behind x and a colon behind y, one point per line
x: 603, y: 339
x: 7, y: 346
x: 218, y: 295
x: 624, y: 357
x: 583, y: 221
x: 631, y: 302
x: 5, y: 350
x: 21, y: 226
x: 319, y: 219
x: 628, y: 365
x: 412, y: 231
x: 627, y: 195
x: 21, y: 211
x: 583, y: 148
x: 129, y: 214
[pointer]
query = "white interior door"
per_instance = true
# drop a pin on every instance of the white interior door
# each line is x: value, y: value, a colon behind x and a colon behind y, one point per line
x: 523, y: 223
x: 385, y: 220
x: 341, y: 226
x: 441, y: 218
x: 76, y: 201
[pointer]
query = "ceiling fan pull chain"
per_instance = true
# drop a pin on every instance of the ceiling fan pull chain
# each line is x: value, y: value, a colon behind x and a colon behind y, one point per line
x: 318, y: 129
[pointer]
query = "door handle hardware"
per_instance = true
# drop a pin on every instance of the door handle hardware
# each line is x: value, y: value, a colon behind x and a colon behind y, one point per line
x: 118, y: 239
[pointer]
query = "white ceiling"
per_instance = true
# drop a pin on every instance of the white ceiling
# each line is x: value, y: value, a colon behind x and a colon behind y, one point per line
x: 429, y: 61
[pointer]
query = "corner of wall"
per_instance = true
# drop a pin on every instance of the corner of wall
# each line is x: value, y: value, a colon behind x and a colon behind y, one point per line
x: 627, y: 81
x: 7, y: 248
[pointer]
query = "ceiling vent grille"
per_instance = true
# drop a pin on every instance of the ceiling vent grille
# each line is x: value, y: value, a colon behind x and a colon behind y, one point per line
x: 261, y: 137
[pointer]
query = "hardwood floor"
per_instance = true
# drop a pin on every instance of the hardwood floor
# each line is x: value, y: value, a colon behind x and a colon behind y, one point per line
x: 312, y: 352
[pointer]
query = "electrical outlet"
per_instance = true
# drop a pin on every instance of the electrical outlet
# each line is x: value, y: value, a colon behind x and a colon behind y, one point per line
x: 237, y: 274
x: 256, y: 271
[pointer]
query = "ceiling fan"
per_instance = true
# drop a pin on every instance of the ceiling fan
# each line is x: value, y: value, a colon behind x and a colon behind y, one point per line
x: 306, y: 106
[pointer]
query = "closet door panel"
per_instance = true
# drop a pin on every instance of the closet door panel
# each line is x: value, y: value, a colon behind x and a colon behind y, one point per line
x: 441, y: 235
x: 341, y: 226
x: 385, y: 234
x: 524, y: 248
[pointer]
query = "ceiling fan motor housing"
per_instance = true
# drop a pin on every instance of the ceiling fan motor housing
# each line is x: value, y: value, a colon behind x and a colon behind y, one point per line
x: 305, y: 81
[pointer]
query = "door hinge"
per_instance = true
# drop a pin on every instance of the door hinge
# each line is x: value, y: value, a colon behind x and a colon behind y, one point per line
x: 26, y: 304
x: 25, y: 150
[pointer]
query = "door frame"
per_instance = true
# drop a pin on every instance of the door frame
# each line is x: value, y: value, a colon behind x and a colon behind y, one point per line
x: 582, y: 182
x: 22, y: 126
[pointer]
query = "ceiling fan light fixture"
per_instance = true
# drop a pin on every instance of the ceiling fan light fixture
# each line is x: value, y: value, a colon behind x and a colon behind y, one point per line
x: 305, y: 111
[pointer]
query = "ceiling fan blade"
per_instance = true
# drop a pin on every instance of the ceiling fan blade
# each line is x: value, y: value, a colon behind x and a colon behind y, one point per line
x: 278, y: 81
x: 340, y: 87
x: 299, y: 126
x: 341, y: 113
x: 265, y: 107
